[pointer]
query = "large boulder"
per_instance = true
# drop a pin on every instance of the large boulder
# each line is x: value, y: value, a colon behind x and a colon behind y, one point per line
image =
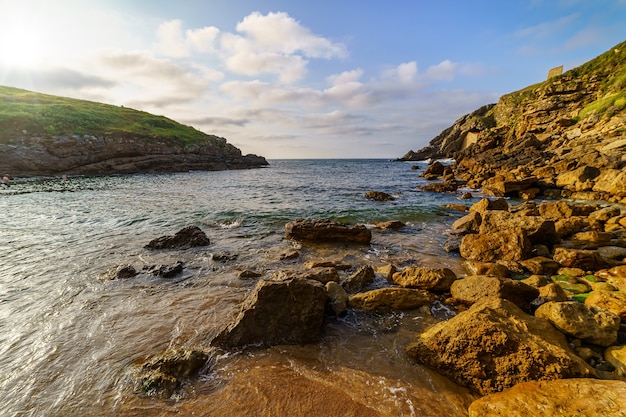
x: 390, y: 298
x: 430, y: 279
x: 505, y: 245
x: 188, y: 237
x: 566, y: 397
x: 537, y: 228
x: 277, y: 312
x: 321, y: 230
x: 591, y: 324
x: 472, y: 289
x: 494, y: 345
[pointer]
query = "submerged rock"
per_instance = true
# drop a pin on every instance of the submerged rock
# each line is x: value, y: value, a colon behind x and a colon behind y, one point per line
x: 320, y: 230
x: 275, y: 313
x: 164, y: 374
x: 188, y: 237
x: 566, y: 397
x: 494, y: 345
x: 379, y: 196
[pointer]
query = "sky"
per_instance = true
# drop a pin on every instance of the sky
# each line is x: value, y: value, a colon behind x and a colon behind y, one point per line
x: 301, y: 79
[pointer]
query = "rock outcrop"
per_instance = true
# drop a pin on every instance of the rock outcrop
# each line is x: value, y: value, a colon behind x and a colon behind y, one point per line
x: 494, y: 346
x: 565, y: 134
x: 321, y: 230
x: 187, y: 237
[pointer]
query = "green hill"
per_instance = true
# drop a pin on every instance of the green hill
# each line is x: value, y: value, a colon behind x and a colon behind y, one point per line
x: 26, y: 113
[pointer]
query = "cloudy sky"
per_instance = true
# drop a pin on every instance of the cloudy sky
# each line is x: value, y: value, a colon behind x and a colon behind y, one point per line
x: 301, y: 79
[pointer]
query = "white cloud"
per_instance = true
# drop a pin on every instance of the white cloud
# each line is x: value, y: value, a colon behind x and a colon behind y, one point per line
x: 172, y: 42
x: 274, y: 44
x: 445, y: 70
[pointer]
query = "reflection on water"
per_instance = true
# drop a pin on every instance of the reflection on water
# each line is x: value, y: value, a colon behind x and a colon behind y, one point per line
x: 69, y: 338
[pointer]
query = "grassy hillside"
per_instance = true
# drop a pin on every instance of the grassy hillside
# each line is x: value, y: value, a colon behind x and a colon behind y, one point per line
x: 25, y: 113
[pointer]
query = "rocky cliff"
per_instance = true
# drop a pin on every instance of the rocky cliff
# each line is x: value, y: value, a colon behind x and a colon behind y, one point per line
x: 42, y: 135
x: 566, y: 135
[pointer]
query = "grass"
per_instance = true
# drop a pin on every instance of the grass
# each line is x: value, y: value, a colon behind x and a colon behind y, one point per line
x: 27, y: 114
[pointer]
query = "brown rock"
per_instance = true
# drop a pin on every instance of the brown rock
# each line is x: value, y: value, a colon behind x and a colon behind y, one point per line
x: 537, y: 228
x: 472, y: 289
x: 613, y: 301
x: 486, y: 268
x: 277, y: 312
x: 591, y: 324
x: 387, y: 271
x: 391, y: 298
x: 337, y: 298
x: 588, y: 260
x: 580, y: 179
x: 188, y: 237
x: 469, y: 223
x: 540, y: 265
x: 379, y: 196
x: 319, y: 230
x: 363, y: 276
x: 490, y: 204
x: 390, y: 225
x: 551, y: 292
x: 506, y: 245
x: 566, y: 397
x: 616, y: 356
x: 319, y: 274
x: 566, y: 227
x: 612, y: 181
x: 435, y: 169
x: 494, y: 346
x: 441, y: 187
x: 508, y: 187
x: 430, y: 279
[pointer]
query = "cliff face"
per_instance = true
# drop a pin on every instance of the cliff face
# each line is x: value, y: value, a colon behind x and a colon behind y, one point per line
x: 44, y: 135
x: 91, y: 155
x: 570, y: 122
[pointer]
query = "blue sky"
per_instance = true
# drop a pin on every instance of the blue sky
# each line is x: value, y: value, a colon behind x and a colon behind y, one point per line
x: 305, y: 79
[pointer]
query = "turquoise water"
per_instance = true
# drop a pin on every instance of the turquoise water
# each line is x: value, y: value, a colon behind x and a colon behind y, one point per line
x: 68, y: 335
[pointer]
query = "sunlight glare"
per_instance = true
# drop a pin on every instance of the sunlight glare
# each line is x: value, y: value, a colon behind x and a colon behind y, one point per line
x: 20, y: 45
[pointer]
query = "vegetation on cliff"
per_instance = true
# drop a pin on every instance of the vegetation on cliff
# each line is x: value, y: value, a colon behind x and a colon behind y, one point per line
x: 26, y: 113
x: 43, y: 135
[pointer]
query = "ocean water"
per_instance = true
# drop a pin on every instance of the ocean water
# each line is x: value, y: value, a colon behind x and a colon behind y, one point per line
x: 71, y: 339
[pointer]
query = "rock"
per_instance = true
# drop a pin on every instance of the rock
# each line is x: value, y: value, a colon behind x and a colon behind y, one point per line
x: 390, y: 225
x: 506, y: 245
x: 125, y: 272
x: 486, y: 268
x: 379, y: 196
x: 319, y: 274
x: 494, y: 346
x: 566, y: 227
x: 457, y: 207
x: 565, y: 397
x: 326, y: 264
x: 612, y: 252
x: 430, y: 279
x: 248, y: 274
x: 591, y: 324
x: 164, y: 374
x: 536, y: 281
x: 387, y: 271
x: 391, y: 298
x: 611, y: 181
x: 604, y: 214
x: 558, y: 210
x: 363, y: 276
x: 224, y: 257
x: 580, y: 179
x: 275, y: 313
x: 537, y: 228
x: 588, y: 260
x: 472, y: 289
x: 613, y: 301
x: 552, y: 292
x: 467, y: 196
x: 165, y: 271
x: 319, y: 230
x: 590, y: 239
x: 540, y: 265
x: 501, y: 188
x: 188, y: 237
x: 289, y: 255
x: 469, y: 223
x: 441, y: 187
x: 490, y: 204
x: 616, y: 356
x: 337, y: 298
x: 435, y: 169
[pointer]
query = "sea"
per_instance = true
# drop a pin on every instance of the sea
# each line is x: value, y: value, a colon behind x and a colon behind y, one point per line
x: 72, y: 339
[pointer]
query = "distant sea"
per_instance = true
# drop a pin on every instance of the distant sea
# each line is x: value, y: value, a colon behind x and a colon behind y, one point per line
x: 69, y: 337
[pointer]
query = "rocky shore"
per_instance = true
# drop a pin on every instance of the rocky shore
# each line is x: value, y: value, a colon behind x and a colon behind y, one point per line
x: 543, y: 300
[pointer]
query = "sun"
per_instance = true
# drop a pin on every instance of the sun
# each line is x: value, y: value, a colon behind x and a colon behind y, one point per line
x: 21, y: 44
